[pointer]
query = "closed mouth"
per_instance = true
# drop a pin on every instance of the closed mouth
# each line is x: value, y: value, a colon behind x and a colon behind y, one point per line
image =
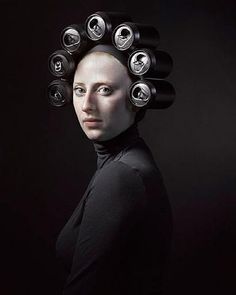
x: 91, y: 120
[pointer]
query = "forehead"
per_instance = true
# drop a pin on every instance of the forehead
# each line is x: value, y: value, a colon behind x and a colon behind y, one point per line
x: 100, y: 65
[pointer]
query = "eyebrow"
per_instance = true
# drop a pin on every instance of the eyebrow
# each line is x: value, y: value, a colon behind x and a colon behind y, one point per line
x: 110, y: 83
x: 97, y: 83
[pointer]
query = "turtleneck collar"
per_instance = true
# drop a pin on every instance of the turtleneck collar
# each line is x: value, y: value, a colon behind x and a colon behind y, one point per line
x: 107, y: 150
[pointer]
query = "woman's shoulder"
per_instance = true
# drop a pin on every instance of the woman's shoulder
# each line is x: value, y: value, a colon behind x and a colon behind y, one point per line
x: 119, y: 172
x: 140, y: 159
x: 133, y: 170
x: 119, y: 185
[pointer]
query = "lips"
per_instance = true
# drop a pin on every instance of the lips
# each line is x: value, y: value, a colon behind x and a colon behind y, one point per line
x: 91, y: 120
x: 92, y: 123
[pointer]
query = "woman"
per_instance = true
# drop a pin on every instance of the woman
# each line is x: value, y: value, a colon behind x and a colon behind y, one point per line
x: 117, y: 239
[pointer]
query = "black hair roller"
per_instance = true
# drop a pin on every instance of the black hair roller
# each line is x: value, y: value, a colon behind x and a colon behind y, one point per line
x: 150, y: 63
x: 129, y: 35
x: 74, y: 39
x: 60, y: 93
x: 152, y: 94
x: 61, y: 64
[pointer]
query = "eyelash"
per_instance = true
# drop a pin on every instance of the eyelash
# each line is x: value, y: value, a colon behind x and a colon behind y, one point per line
x: 76, y: 89
x: 82, y: 91
x: 105, y: 87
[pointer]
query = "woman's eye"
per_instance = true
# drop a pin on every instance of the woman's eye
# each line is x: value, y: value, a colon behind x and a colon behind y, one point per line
x: 79, y: 91
x: 105, y: 90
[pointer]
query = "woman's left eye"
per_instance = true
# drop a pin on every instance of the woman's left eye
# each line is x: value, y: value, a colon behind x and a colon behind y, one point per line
x: 105, y: 90
x: 79, y: 91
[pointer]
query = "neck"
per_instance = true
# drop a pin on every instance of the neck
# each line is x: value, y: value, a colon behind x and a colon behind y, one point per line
x: 109, y: 149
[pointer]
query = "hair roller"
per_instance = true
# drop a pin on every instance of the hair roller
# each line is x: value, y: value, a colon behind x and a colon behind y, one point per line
x: 60, y: 93
x: 74, y: 39
x: 61, y: 64
x: 152, y: 94
x: 129, y: 35
x: 149, y: 63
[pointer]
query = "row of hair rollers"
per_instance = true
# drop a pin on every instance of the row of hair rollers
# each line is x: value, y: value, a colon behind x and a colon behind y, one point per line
x: 137, y: 40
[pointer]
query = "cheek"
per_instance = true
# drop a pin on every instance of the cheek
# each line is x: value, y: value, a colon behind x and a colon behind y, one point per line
x: 122, y: 108
x: 116, y: 104
x: 79, y: 113
x: 77, y: 108
x: 113, y: 109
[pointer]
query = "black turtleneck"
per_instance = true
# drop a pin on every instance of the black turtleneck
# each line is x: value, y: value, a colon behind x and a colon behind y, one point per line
x: 108, y: 150
x: 117, y: 239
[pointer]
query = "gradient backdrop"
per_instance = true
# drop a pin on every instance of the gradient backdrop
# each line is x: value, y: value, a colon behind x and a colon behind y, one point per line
x: 46, y: 161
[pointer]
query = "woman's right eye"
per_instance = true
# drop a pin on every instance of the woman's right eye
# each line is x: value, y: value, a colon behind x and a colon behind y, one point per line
x: 79, y: 91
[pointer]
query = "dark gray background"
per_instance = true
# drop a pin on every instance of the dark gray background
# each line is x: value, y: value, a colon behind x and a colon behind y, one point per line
x: 46, y: 161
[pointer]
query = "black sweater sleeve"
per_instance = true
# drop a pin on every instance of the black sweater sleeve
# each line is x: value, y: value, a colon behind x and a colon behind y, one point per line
x: 114, y: 206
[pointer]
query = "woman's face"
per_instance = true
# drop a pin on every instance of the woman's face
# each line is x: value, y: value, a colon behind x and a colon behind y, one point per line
x: 100, y: 96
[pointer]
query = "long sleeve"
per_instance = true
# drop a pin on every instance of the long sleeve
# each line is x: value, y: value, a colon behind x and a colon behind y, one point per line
x: 114, y: 207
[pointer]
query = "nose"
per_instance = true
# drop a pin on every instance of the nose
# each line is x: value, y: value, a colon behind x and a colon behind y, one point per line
x: 89, y: 102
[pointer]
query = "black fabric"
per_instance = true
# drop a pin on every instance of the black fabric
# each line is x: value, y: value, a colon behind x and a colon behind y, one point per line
x: 117, y: 239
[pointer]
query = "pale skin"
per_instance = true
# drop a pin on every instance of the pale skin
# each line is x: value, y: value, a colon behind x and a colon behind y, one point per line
x: 100, y: 96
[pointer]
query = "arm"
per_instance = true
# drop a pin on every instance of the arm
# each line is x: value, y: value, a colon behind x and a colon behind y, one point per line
x: 112, y: 209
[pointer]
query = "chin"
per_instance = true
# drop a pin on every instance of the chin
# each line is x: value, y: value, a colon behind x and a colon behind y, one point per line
x: 101, y: 134
x: 95, y: 135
